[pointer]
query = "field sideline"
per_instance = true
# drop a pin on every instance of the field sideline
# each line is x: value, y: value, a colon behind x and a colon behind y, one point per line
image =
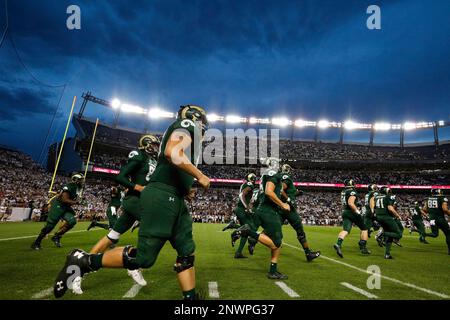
x: 418, y: 272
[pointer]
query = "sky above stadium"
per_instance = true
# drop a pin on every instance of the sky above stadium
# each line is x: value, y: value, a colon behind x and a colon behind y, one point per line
x: 300, y: 59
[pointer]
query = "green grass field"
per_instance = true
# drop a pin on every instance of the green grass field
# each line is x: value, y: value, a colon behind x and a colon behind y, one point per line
x: 418, y: 272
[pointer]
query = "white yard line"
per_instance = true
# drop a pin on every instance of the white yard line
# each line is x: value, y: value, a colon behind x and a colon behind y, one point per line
x: 410, y: 285
x: 43, y: 294
x: 291, y: 293
x: 361, y: 291
x: 133, y: 291
x: 27, y: 237
x: 213, y: 289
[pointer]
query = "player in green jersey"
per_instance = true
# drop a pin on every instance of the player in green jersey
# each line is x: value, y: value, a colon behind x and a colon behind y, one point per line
x: 388, y: 218
x: 289, y: 194
x: 111, y: 211
x: 267, y: 216
x: 61, y: 209
x: 369, y: 208
x: 134, y: 176
x: 437, y: 207
x: 351, y: 215
x: 243, y: 210
x: 164, y: 214
x: 417, y: 225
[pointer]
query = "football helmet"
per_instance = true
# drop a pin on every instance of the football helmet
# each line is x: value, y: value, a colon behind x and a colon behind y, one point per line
x: 251, y: 177
x: 436, y: 192
x: 372, y: 187
x: 349, y: 183
x: 77, y: 178
x: 285, y: 168
x: 150, y: 144
x: 194, y: 113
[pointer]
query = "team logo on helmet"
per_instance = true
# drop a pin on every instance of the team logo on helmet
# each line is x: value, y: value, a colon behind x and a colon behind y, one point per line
x: 251, y: 177
x: 77, y: 178
x: 150, y: 144
x: 372, y: 187
x: 285, y: 168
x: 194, y: 113
x: 436, y: 192
x: 272, y: 163
x: 386, y: 190
x: 349, y: 183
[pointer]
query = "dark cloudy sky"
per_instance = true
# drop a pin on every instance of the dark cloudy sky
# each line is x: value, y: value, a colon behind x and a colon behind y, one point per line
x: 310, y: 59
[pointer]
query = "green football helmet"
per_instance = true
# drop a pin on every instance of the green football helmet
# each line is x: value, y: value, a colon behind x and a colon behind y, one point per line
x: 194, y: 113
x: 436, y: 192
x: 77, y: 178
x: 251, y: 177
x: 349, y: 183
x: 286, y: 169
x: 150, y: 144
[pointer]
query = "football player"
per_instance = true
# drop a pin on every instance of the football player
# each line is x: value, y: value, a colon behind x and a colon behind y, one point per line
x: 417, y: 225
x: 289, y: 193
x: 388, y: 218
x: 165, y: 216
x: 134, y: 176
x: 351, y: 214
x: 437, y: 207
x: 243, y: 210
x: 111, y: 211
x: 369, y: 208
x: 61, y: 209
x: 267, y: 216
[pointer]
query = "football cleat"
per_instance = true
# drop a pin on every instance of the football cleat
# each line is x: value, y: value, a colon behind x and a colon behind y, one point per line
x: 238, y: 233
x: 251, y: 248
x: 36, y: 246
x: 365, y: 251
x: 76, y: 285
x: 91, y: 225
x: 397, y: 242
x: 231, y: 225
x: 137, y: 276
x: 338, y: 250
x: 239, y: 255
x: 312, y: 255
x: 277, y: 275
x: 77, y: 261
x: 136, y: 224
x: 57, y: 241
x: 380, y: 238
x: 388, y: 256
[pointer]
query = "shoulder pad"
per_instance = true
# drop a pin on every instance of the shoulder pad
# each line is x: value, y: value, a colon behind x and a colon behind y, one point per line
x: 353, y: 193
x: 446, y: 199
x: 133, y: 154
x: 271, y: 173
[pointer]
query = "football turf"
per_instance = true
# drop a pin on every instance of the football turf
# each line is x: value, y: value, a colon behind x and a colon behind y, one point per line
x: 418, y: 271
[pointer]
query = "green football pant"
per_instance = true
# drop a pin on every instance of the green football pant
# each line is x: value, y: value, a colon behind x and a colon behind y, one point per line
x: 269, y: 219
x: 440, y: 223
x: 131, y: 211
x: 244, y: 218
x: 58, y: 212
x: 111, y: 213
x: 390, y: 226
x: 165, y: 217
x: 420, y: 226
x: 296, y: 223
x: 349, y: 218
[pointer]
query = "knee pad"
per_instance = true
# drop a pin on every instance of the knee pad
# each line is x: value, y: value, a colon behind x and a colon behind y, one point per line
x: 129, y: 258
x: 184, y: 263
x: 301, y: 236
x: 113, y: 236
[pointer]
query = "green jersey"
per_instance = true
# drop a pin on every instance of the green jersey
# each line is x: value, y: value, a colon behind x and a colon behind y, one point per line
x: 73, y: 190
x: 275, y: 178
x: 367, y: 199
x: 291, y: 190
x: 434, y: 205
x: 116, y: 201
x: 345, y: 196
x: 169, y: 174
x: 415, y: 213
x: 382, y: 202
x: 137, y: 170
x: 249, y: 195
x: 256, y: 197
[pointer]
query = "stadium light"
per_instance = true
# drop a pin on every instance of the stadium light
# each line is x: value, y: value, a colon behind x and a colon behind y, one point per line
x: 234, y: 119
x: 156, y: 113
x: 300, y: 123
x: 214, y: 117
x: 282, y: 122
x: 409, y: 126
x: 132, y: 109
x: 115, y: 104
x: 382, y: 126
x: 441, y: 122
x: 323, y: 124
x: 350, y: 125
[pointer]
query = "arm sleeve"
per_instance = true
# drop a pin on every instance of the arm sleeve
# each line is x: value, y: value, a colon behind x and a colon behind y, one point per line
x: 127, y: 169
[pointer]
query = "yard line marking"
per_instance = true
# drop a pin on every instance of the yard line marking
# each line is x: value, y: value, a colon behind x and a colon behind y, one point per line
x: 43, y: 294
x: 213, y: 289
x: 291, y: 293
x: 410, y: 285
x: 133, y: 291
x: 361, y: 291
x: 27, y: 237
